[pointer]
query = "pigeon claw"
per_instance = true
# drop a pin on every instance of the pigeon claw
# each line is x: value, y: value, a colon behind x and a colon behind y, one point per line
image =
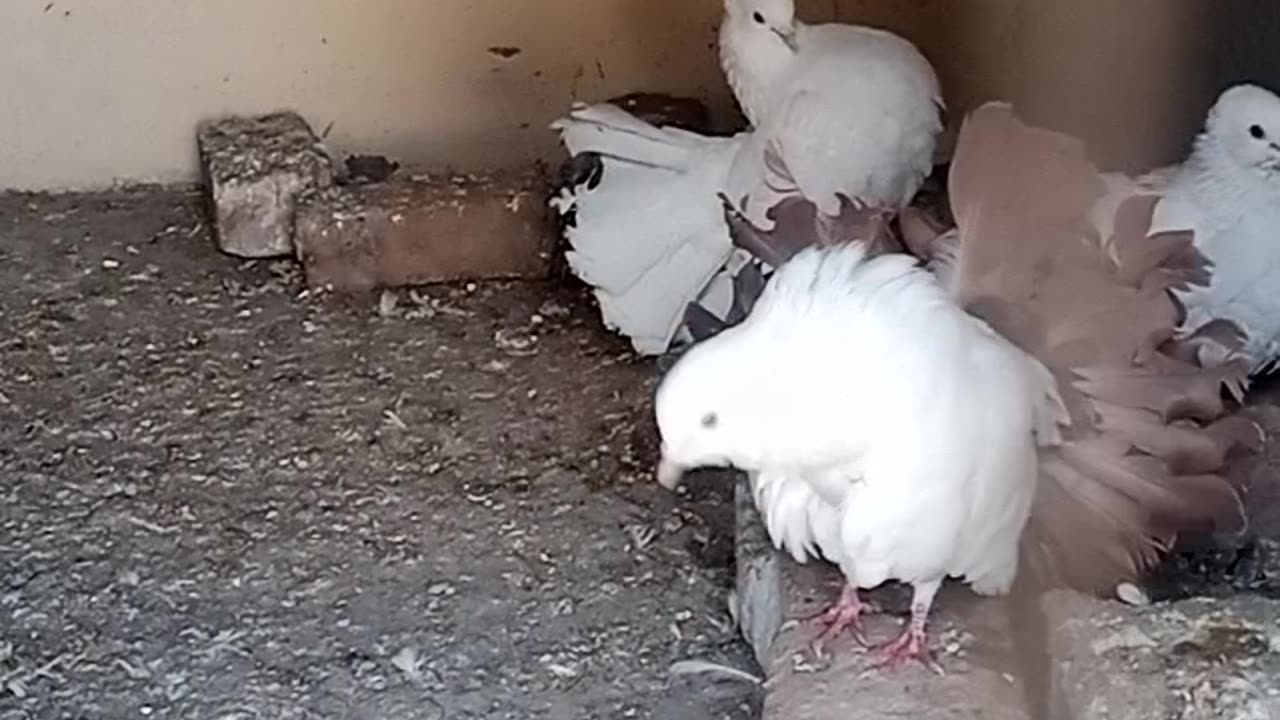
x: 845, y: 614
x: 911, y: 645
x: 839, y: 619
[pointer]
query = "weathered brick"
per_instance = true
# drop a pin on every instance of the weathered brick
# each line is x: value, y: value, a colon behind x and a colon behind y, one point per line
x: 255, y: 169
x: 416, y: 231
x: 1205, y: 657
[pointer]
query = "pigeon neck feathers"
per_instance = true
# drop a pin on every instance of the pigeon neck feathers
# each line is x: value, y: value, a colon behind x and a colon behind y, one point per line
x: 1220, y: 184
x: 752, y: 58
x: 1235, y: 162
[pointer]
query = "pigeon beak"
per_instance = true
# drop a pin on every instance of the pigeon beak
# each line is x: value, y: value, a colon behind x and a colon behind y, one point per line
x: 789, y: 37
x: 669, y: 473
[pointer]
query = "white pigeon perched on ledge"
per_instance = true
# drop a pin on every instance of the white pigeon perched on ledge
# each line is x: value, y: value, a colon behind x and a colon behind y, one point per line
x: 1228, y: 193
x: 850, y: 110
x: 1031, y: 404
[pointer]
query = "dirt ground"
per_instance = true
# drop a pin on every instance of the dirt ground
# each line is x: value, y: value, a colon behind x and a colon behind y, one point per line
x: 223, y: 497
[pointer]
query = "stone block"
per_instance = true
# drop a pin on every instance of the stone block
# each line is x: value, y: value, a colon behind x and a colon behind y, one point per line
x: 255, y: 169
x: 417, y: 231
x: 1196, y: 658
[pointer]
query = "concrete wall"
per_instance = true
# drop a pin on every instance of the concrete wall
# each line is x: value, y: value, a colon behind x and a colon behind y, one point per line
x: 101, y: 90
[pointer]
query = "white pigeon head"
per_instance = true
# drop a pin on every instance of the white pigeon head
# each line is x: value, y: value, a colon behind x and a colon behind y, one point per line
x: 706, y: 416
x: 773, y: 20
x: 1244, y: 125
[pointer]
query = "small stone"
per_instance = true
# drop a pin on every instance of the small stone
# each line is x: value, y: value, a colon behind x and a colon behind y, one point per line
x: 562, y: 670
x: 387, y: 304
x: 409, y: 662
x: 1132, y: 594
x: 444, y: 589
x: 256, y: 168
x: 377, y: 683
x: 552, y: 309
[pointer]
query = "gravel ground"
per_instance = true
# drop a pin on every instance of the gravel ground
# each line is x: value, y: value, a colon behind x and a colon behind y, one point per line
x: 223, y: 497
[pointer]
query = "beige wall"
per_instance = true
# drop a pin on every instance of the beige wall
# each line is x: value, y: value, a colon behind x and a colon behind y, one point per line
x: 100, y: 90
x: 94, y: 90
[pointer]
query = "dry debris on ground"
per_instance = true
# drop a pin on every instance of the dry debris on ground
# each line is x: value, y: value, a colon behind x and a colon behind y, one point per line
x: 224, y: 497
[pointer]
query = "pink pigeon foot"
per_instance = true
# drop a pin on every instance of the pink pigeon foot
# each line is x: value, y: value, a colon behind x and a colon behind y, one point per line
x: 845, y: 614
x: 913, y: 643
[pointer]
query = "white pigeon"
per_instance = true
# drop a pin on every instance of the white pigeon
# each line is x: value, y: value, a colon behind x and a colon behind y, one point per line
x: 910, y: 428
x: 1228, y: 193
x: 918, y: 463
x: 848, y: 110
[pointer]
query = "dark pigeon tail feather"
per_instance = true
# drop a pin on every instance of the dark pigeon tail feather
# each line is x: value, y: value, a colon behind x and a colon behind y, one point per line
x: 748, y: 237
x: 701, y: 322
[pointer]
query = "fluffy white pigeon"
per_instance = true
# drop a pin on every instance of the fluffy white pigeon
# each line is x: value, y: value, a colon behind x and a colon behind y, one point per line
x: 849, y: 110
x: 1029, y: 405
x: 919, y: 471
x: 1228, y: 193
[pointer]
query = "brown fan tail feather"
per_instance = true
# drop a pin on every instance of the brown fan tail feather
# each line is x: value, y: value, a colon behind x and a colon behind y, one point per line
x: 1151, y: 430
x: 771, y: 248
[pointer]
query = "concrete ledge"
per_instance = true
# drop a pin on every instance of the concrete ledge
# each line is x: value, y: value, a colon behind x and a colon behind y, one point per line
x: 415, y: 231
x: 1198, y: 658
x: 758, y: 603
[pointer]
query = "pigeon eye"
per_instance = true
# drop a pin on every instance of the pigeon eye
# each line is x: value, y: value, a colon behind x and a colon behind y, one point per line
x: 710, y: 420
x: 758, y: 17
x: 1257, y: 132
